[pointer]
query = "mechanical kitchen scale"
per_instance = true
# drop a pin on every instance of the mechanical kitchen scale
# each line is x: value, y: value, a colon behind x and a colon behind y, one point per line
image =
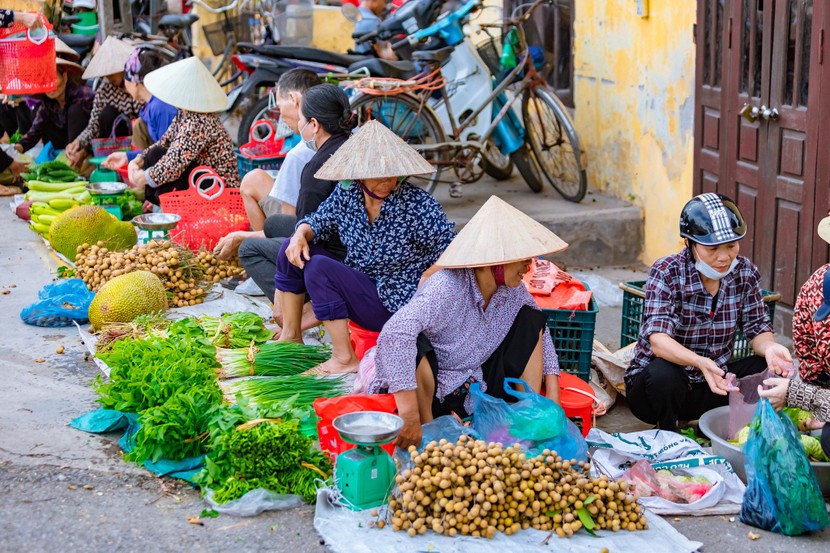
x: 105, y: 194
x: 101, y: 174
x: 155, y: 226
x: 365, y: 475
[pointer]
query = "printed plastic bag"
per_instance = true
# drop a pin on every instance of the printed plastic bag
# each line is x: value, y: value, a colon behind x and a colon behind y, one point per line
x: 782, y: 494
x: 743, y: 401
x: 676, y: 487
x: 365, y: 372
x: 60, y: 304
x: 534, y: 422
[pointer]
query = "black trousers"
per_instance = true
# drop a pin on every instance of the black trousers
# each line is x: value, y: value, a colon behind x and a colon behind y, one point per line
x: 509, y: 360
x: 154, y: 154
x: 15, y: 118
x: 259, y: 255
x: 106, y: 121
x: 662, y: 393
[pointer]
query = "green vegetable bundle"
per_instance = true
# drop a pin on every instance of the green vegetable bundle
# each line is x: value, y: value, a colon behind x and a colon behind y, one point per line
x: 235, y: 330
x: 177, y: 429
x: 146, y: 372
x: 51, y: 172
x: 130, y: 206
x: 271, y: 359
x: 304, y: 388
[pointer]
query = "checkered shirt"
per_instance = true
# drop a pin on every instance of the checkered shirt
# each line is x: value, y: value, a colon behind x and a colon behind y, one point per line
x: 677, y: 304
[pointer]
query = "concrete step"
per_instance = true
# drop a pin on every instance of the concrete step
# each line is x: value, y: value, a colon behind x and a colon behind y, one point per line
x: 600, y: 230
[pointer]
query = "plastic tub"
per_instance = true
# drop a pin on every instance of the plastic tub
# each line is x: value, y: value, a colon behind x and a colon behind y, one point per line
x: 715, y: 424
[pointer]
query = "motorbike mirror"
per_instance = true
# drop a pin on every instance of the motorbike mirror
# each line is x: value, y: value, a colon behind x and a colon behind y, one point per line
x: 350, y: 12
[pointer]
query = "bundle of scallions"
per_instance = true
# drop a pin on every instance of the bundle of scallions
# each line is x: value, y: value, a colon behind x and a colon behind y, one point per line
x: 307, y: 388
x: 270, y: 359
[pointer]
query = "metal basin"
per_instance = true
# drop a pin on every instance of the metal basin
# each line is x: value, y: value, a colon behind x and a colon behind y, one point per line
x: 106, y: 188
x: 715, y: 424
x: 156, y: 221
x: 368, y: 427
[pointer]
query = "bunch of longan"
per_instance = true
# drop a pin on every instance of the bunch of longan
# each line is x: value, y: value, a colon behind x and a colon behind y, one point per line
x: 477, y: 489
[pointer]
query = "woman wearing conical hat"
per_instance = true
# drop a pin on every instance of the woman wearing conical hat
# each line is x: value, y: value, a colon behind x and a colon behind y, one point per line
x: 472, y: 321
x: 196, y: 137
x: 393, y: 233
x: 113, y: 107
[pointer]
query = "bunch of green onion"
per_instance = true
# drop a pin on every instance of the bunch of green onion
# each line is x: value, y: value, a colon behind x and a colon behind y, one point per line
x: 270, y: 359
x: 306, y: 388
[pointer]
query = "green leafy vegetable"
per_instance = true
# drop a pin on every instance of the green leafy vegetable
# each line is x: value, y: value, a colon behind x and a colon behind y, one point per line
x: 235, y: 330
x: 271, y: 359
x: 306, y: 388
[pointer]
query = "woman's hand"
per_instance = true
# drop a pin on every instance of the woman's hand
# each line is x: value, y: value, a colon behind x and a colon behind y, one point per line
x: 116, y: 160
x: 714, y: 376
x: 297, y: 251
x: 74, y: 152
x: 148, y: 207
x: 18, y: 148
x: 228, y: 246
x: 18, y: 168
x: 411, y: 433
x: 779, y: 359
x: 777, y: 393
x: 139, y: 178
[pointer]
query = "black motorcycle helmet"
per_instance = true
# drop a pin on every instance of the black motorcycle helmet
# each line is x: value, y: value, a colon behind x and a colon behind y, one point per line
x: 711, y: 219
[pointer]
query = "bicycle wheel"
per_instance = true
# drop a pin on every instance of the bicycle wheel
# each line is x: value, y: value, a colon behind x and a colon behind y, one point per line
x: 528, y: 167
x: 495, y: 163
x: 404, y: 115
x: 553, y: 139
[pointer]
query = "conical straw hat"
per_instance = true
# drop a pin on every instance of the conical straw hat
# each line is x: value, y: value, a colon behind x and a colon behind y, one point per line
x: 65, y: 51
x: 69, y: 66
x: 374, y: 152
x: 824, y: 229
x: 109, y: 59
x: 187, y: 85
x: 499, y: 233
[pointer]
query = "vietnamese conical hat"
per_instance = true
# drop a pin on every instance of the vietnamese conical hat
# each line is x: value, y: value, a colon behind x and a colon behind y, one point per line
x: 499, y: 233
x: 68, y: 65
x: 109, y: 59
x: 374, y: 152
x: 824, y: 229
x: 63, y: 50
x: 187, y: 85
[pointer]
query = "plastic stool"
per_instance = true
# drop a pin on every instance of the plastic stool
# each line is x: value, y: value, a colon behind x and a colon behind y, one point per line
x: 362, y: 340
x: 574, y: 401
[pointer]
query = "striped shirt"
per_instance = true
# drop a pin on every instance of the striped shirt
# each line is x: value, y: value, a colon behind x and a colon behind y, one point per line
x: 107, y: 95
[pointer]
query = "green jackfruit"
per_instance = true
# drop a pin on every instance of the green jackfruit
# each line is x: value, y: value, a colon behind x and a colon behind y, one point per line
x: 125, y: 297
x: 90, y: 224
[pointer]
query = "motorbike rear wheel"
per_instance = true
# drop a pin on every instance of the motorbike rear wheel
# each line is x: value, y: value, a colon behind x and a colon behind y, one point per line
x: 406, y: 117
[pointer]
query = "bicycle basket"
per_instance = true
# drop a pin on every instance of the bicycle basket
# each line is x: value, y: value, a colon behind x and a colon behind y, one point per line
x: 217, y: 33
x: 490, y: 53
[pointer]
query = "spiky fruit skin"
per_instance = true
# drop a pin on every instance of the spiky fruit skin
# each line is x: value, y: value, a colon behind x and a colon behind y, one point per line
x: 125, y: 297
x: 90, y: 224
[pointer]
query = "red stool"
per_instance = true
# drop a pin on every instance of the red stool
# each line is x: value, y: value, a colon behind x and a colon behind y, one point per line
x: 577, y: 399
x: 362, y: 340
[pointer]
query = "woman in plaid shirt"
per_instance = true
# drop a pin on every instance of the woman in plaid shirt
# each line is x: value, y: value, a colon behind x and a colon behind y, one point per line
x: 696, y: 301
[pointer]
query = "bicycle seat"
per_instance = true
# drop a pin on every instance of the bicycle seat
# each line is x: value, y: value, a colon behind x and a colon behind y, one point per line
x: 433, y: 56
x: 385, y: 68
x: 305, y: 53
x: 80, y: 43
x: 179, y: 21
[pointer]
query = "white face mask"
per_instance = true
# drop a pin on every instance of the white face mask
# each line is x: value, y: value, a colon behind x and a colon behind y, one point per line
x: 709, y: 272
x: 310, y: 144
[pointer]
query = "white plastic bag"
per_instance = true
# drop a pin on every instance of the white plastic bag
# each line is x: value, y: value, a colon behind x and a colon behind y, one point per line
x: 612, y: 366
x: 255, y: 502
x: 613, y: 454
x: 365, y: 372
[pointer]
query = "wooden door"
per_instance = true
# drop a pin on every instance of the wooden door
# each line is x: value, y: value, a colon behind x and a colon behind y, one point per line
x: 768, y: 51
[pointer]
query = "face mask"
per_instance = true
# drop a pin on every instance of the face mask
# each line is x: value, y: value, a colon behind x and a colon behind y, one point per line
x: 709, y: 272
x: 310, y: 144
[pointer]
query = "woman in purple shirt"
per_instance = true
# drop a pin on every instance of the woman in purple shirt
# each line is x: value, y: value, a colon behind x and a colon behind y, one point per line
x: 473, y: 321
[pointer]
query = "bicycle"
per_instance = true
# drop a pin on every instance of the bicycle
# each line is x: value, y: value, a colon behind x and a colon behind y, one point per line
x: 544, y: 148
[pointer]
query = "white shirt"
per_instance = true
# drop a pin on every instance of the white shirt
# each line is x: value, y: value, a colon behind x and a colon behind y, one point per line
x: 287, y: 184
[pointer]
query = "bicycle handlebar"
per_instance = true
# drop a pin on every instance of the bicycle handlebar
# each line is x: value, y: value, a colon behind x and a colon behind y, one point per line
x: 227, y: 8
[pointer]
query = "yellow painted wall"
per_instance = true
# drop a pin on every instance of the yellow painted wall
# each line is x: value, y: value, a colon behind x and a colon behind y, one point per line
x: 634, y: 107
x: 332, y: 31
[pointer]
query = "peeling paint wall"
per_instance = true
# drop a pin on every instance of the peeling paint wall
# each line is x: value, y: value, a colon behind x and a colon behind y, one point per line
x: 634, y: 107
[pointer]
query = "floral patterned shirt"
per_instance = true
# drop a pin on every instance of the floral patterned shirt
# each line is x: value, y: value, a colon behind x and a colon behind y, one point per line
x: 196, y: 137
x: 448, y: 310
x: 107, y: 95
x: 677, y: 304
x: 394, y: 250
x: 811, y: 339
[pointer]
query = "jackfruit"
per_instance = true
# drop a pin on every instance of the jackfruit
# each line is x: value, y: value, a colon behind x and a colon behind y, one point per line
x: 125, y: 297
x: 89, y: 223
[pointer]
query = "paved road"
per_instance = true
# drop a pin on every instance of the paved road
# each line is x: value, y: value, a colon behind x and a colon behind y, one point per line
x: 63, y: 490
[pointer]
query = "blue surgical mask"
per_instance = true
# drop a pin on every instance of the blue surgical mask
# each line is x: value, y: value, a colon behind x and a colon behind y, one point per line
x: 709, y: 272
x: 310, y: 144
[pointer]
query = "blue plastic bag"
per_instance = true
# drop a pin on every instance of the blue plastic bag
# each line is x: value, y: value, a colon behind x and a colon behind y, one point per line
x: 447, y: 428
x: 60, y: 304
x: 534, y: 422
x: 782, y: 494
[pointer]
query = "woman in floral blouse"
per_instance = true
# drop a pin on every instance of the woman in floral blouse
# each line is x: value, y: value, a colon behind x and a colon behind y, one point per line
x: 113, y: 107
x: 696, y: 301
x: 811, y: 341
x: 393, y: 233
x: 196, y: 137
x: 473, y: 321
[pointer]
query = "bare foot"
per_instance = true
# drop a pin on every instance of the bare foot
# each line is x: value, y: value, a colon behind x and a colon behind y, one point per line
x: 333, y: 366
x: 308, y: 320
x: 286, y: 336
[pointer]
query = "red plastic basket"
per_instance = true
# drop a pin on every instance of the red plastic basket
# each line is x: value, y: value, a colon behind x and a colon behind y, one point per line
x: 207, y: 209
x: 27, y: 65
x: 267, y: 147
